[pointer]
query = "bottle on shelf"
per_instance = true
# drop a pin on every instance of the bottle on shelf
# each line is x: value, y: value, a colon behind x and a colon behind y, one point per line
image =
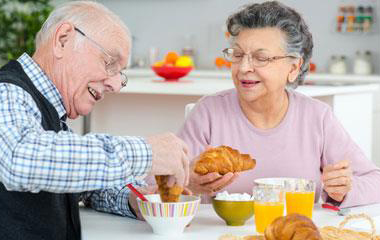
x: 188, y: 48
x: 359, y: 19
x: 341, y: 19
x: 350, y: 19
x: 363, y: 63
x: 338, y: 65
x: 367, y: 19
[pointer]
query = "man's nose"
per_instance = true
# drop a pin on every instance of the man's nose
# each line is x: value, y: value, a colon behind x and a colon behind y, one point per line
x: 113, y: 84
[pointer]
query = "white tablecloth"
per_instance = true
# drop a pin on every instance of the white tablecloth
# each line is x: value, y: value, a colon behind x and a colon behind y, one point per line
x: 205, y: 225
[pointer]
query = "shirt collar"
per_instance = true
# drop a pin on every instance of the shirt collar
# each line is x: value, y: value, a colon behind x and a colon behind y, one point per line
x: 42, y: 83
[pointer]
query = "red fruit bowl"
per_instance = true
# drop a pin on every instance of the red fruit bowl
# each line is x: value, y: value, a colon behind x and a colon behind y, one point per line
x: 170, y: 73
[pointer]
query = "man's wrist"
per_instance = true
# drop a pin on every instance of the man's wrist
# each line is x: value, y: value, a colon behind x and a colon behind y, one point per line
x: 131, y: 208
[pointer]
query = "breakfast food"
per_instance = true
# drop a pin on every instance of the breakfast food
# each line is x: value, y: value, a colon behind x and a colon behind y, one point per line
x: 333, y: 233
x: 168, y: 194
x: 292, y: 227
x: 299, y: 227
x: 225, y: 196
x: 223, y: 159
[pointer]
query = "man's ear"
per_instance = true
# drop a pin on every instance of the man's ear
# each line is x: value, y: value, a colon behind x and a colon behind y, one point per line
x: 63, y: 34
x: 295, y: 69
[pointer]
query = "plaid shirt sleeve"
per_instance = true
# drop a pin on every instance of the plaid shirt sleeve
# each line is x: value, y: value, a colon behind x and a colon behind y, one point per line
x: 112, y: 200
x: 32, y: 159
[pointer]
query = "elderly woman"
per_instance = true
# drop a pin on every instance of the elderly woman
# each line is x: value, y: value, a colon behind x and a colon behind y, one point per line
x: 289, y: 134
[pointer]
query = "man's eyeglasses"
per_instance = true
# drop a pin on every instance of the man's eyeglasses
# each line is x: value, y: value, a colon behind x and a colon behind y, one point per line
x: 257, y: 60
x: 112, y: 67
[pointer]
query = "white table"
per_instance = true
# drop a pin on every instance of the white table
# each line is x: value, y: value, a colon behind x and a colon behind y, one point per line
x: 205, y: 225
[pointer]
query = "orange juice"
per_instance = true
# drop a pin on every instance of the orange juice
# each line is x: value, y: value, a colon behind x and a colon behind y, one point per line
x: 266, y: 212
x: 300, y: 202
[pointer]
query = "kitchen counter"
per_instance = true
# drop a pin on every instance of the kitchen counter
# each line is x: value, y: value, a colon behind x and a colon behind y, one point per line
x: 191, y: 86
x: 146, y: 72
x: 205, y: 225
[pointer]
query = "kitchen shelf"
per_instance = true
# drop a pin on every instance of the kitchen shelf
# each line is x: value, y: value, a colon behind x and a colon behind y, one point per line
x: 146, y: 72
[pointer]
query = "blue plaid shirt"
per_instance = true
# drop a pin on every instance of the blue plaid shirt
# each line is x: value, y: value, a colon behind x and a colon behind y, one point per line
x: 31, y: 159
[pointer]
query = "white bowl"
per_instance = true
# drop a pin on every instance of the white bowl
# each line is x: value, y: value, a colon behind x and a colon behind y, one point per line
x: 168, y: 219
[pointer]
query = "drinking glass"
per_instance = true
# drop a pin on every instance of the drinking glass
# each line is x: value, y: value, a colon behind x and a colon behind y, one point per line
x: 269, y: 205
x: 300, y: 194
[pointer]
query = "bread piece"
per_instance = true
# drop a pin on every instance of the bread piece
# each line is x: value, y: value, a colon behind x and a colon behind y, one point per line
x: 335, y: 233
x: 292, y: 227
x: 167, y: 194
x: 223, y: 159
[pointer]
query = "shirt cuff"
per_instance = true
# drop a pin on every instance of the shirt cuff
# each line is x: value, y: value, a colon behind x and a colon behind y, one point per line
x: 138, y: 154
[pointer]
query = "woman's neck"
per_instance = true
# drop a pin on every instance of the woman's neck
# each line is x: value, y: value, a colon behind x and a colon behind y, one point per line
x: 267, y: 112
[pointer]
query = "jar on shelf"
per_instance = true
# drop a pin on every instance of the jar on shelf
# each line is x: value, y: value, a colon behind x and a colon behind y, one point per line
x: 338, y: 65
x: 363, y: 63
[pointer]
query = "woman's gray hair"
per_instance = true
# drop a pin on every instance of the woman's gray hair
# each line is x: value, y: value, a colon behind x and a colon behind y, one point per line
x: 274, y: 14
x: 88, y: 16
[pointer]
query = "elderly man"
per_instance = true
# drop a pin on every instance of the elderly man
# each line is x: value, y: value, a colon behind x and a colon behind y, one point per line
x: 44, y: 167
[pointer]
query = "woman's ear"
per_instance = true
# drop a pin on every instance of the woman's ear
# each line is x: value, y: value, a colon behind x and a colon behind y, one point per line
x: 62, y: 35
x: 295, y: 70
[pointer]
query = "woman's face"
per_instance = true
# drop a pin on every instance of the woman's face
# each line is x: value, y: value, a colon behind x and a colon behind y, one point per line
x: 253, y: 83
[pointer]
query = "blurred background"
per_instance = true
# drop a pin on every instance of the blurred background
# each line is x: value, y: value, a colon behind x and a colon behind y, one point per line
x: 346, y: 49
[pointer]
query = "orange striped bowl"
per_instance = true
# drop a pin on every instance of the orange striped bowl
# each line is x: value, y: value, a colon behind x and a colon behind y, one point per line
x: 168, y: 219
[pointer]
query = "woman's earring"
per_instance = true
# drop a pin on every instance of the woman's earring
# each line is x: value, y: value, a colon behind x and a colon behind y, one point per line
x: 290, y: 80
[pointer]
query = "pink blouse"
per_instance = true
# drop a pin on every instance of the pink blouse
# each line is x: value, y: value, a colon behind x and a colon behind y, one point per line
x: 307, y: 139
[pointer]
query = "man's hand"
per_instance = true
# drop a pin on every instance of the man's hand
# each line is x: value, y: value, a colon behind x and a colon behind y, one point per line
x: 153, y: 189
x: 170, y: 157
x: 337, y: 180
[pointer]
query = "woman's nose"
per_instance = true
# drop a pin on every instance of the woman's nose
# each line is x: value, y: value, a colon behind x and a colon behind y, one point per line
x: 246, y: 64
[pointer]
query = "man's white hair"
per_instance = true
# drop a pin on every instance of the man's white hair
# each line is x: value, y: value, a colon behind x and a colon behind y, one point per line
x: 86, y: 15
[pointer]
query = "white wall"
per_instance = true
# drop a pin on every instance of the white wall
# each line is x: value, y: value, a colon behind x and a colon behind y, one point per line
x: 166, y: 23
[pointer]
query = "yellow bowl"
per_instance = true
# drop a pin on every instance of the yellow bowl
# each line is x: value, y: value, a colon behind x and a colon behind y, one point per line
x: 234, y: 213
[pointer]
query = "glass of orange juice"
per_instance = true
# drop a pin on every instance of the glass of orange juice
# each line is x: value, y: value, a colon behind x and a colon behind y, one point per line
x: 300, y: 194
x: 269, y: 205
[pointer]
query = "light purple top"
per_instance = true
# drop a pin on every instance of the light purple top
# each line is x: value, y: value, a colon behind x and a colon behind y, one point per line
x: 308, y: 138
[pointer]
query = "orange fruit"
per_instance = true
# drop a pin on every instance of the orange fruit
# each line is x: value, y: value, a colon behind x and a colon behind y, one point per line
x: 220, y: 62
x: 227, y: 35
x: 159, y: 64
x: 171, y: 57
x: 228, y: 64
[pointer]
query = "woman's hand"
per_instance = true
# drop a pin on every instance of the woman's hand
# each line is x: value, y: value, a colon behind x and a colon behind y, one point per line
x: 211, y: 182
x: 152, y: 189
x: 337, y: 180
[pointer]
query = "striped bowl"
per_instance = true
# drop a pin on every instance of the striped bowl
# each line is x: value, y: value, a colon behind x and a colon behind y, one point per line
x: 168, y: 219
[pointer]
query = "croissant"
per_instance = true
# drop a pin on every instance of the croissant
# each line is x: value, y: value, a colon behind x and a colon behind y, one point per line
x: 292, y: 227
x: 223, y: 159
x: 167, y: 194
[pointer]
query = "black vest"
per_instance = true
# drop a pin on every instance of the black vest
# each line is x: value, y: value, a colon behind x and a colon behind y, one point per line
x: 43, y: 215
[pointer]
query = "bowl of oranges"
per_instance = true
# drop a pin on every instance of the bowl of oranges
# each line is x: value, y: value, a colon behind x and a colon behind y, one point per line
x: 173, y: 67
